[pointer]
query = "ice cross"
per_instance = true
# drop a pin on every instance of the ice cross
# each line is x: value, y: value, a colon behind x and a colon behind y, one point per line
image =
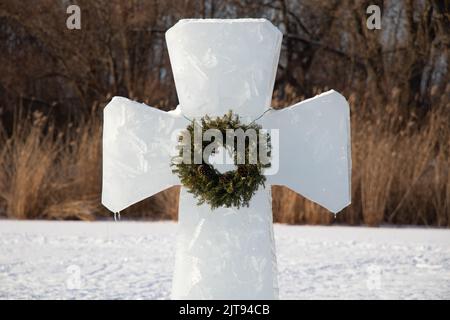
x: 220, y: 65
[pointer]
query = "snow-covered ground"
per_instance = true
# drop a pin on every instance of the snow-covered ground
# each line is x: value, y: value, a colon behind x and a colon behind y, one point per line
x: 134, y: 260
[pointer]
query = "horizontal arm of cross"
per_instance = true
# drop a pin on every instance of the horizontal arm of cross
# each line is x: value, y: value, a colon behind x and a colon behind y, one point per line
x: 313, y: 156
x: 138, y: 143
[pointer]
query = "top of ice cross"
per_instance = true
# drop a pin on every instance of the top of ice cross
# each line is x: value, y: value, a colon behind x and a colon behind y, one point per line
x: 224, y: 64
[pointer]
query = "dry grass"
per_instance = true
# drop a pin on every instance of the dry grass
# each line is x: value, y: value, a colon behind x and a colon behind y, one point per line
x: 52, y: 175
x: 400, y: 171
x: 395, y: 80
x: 27, y: 161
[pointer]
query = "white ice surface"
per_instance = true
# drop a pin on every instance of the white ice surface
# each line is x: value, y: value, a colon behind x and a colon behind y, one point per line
x: 138, y: 145
x: 223, y: 64
x: 220, y: 65
x: 313, y: 155
x: 135, y: 260
x: 225, y: 254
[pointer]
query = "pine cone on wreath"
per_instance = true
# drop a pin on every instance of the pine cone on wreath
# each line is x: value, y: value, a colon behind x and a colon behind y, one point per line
x: 242, y: 171
x: 203, y: 170
x: 223, y: 179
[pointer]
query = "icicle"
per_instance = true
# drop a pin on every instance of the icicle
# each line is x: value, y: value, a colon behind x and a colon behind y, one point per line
x: 115, y: 216
x: 335, y: 216
x: 118, y: 215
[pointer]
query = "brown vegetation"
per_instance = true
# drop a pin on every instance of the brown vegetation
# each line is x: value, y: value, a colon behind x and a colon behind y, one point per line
x: 54, y: 83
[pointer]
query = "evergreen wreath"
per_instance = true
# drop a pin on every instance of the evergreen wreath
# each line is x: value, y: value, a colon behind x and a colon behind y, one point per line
x: 206, y: 183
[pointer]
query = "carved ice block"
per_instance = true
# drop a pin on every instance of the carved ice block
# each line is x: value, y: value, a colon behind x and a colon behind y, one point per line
x: 222, y: 65
x: 226, y: 253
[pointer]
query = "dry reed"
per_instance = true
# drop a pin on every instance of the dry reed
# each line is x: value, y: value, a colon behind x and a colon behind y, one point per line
x: 400, y: 172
